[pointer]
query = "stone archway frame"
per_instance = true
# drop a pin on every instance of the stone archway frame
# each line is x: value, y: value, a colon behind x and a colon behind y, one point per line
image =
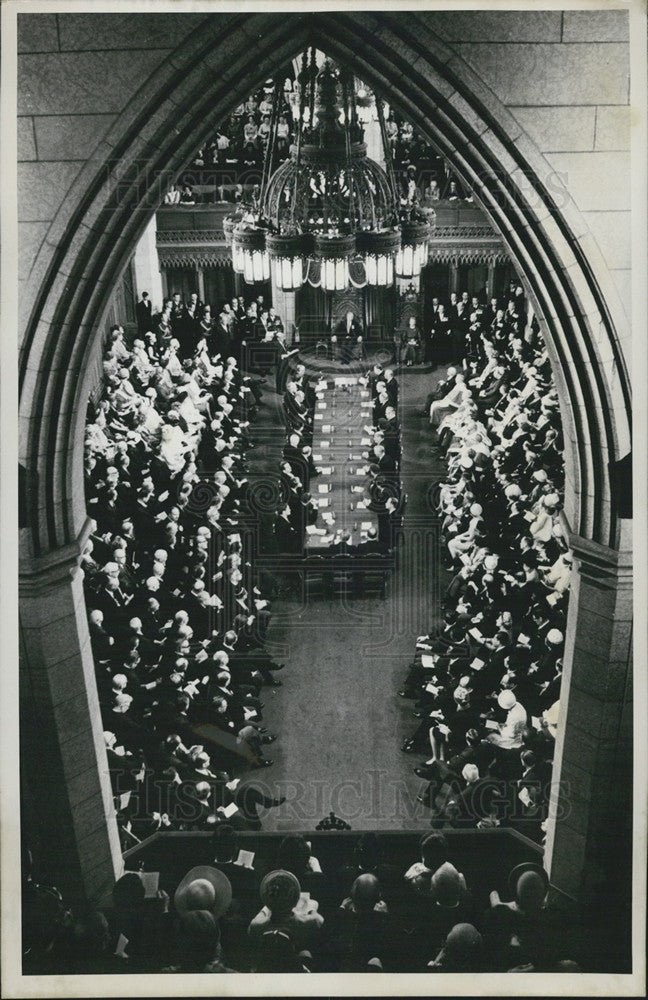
x: 195, y: 87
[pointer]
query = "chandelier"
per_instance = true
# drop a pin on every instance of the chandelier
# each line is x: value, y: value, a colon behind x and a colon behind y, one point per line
x: 328, y: 214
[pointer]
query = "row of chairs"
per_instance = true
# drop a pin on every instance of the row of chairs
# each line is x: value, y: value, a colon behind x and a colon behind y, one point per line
x: 329, y: 579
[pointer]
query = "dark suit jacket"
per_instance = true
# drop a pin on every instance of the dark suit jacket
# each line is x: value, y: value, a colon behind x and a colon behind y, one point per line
x: 354, y: 330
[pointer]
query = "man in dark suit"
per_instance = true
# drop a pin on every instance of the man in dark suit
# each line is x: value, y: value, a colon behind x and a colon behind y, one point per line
x: 143, y: 311
x: 371, y: 546
x: 391, y: 387
x: 348, y: 329
x: 286, y: 535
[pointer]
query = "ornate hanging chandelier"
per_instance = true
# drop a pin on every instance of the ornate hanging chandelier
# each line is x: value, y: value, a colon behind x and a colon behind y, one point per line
x: 328, y: 214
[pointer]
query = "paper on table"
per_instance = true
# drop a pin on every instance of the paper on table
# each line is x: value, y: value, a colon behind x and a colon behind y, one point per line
x: 431, y: 688
x: 476, y: 634
x: 323, y: 488
x: 357, y: 489
x: 311, y: 529
x: 360, y: 471
x: 245, y: 859
x: 317, y: 458
x: 365, y: 441
x: 326, y: 470
x: 233, y: 784
x: 491, y: 724
x: 325, y: 444
x: 322, y: 502
x: 366, y: 525
x: 327, y: 428
x: 318, y: 416
x: 361, y: 505
x: 321, y: 406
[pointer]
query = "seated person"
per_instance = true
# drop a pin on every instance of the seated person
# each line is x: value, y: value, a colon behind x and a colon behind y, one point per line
x: 286, y: 908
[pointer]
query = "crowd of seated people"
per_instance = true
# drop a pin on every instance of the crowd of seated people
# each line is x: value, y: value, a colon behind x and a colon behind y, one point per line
x: 177, y: 621
x: 422, y: 175
x: 287, y: 912
x: 230, y: 163
x: 486, y: 682
x: 235, y: 153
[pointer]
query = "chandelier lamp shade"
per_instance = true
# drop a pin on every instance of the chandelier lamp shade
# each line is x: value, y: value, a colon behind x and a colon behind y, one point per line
x: 328, y: 214
x: 249, y: 255
x: 289, y: 257
x: 413, y: 252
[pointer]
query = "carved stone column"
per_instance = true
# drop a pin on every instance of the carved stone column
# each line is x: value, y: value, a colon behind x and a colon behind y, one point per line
x: 589, y: 836
x: 68, y: 815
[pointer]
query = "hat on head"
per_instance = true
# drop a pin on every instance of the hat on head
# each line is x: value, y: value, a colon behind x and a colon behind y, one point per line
x: 198, y: 933
x: 463, y: 940
x: 539, y: 883
x: 198, y: 587
x: 551, y: 500
x: 470, y: 773
x: 513, y: 490
x: 476, y: 509
x: 490, y: 562
x: 466, y: 463
x: 280, y: 890
x: 554, y: 636
x: 506, y: 700
x: 204, y: 888
x: 540, y: 476
x: 122, y: 702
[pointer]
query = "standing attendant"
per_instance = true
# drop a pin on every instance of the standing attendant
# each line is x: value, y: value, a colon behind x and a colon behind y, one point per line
x: 350, y: 329
x: 144, y: 311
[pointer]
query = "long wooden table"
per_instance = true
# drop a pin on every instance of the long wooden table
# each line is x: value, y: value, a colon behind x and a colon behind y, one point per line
x: 342, y: 410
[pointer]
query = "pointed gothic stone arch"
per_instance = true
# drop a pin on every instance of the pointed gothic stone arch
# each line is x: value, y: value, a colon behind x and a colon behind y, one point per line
x: 107, y: 207
x: 111, y: 201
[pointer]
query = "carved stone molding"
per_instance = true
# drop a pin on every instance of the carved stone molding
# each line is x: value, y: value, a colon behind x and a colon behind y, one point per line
x: 193, y: 257
x: 190, y: 236
x: 468, y: 255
